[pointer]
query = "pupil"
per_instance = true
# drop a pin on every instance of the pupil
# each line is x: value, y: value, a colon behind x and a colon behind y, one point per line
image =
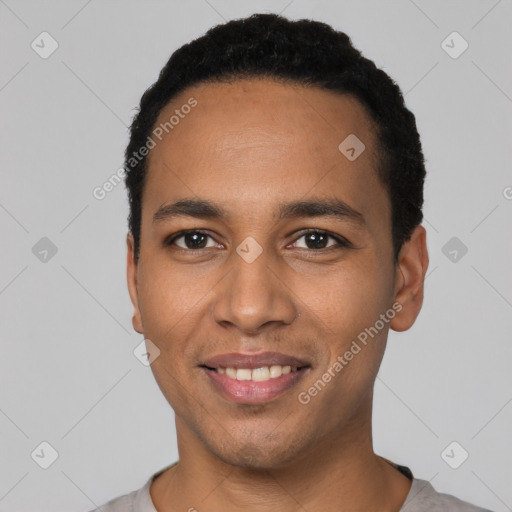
x: 316, y: 237
x: 195, y: 237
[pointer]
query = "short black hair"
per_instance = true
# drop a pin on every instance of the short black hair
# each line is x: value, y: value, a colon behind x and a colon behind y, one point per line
x: 305, y: 52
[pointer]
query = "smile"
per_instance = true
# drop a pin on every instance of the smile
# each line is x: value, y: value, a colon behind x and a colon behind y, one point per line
x: 253, y: 378
x: 257, y: 374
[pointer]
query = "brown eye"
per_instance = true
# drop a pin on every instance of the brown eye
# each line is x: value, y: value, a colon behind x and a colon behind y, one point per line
x: 318, y: 240
x: 190, y: 240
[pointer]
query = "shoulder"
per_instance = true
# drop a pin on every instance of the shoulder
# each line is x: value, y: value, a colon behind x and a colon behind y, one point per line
x: 423, y: 497
x: 120, y: 504
x: 135, y: 501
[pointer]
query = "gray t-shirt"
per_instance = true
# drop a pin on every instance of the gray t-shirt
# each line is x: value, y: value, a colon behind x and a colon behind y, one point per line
x: 422, y: 497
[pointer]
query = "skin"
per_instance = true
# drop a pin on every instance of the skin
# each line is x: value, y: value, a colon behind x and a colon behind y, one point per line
x: 248, y: 146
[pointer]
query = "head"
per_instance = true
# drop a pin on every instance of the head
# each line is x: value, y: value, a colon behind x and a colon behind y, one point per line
x: 254, y: 229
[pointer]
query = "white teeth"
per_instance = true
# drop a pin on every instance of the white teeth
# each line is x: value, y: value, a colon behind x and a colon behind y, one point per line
x: 276, y: 371
x: 261, y: 374
x: 243, y: 374
x: 231, y: 373
x: 257, y: 374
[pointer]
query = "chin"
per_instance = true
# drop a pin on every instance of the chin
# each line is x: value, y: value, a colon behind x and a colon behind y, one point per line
x: 258, y: 452
x: 253, y: 458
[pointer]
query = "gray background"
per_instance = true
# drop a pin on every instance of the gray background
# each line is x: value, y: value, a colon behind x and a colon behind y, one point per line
x: 67, y: 372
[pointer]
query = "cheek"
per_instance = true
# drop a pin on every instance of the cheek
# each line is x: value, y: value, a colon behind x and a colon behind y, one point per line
x: 170, y: 307
x: 167, y: 314
x: 349, y: 306
x: 350, y: 299
x: 171, y: 296
x: 175, y: 388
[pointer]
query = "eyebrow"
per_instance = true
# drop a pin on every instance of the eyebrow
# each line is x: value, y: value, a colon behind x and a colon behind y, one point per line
x: 203, y: 209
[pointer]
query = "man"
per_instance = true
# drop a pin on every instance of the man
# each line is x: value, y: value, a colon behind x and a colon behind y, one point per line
x: 275, y: 180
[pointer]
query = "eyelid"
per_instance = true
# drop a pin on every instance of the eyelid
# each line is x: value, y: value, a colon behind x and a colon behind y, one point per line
x: 341, y: 241
x: 168, y: 241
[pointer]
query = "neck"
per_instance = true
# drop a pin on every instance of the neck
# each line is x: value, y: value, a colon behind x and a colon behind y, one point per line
x: 340, y: 473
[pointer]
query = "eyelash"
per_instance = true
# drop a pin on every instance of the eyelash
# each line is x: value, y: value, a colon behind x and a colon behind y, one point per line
x: 341, y: 242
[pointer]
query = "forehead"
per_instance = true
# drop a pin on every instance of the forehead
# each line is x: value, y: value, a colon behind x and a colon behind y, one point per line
x: 256, y: 140
x: 243, y: 114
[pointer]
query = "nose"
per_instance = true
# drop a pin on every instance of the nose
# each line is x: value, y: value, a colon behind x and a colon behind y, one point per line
x: 254, y: 296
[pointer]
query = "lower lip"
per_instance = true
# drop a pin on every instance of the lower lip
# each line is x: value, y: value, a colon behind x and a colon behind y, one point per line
x: 253, y: 392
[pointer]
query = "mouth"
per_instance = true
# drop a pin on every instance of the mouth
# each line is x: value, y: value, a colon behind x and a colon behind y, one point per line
x: 254, y: 379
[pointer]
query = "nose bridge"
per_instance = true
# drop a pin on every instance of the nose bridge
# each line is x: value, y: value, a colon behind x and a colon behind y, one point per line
x: 253, y: 294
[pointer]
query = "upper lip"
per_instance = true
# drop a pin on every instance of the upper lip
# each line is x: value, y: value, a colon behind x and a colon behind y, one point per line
x: 251, y: 361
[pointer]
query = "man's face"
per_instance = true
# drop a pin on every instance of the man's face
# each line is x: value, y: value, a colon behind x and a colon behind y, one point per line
x: 250, y: 148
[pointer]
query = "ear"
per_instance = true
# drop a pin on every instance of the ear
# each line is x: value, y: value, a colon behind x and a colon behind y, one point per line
x: 131, y: 275
x: 410, y: 275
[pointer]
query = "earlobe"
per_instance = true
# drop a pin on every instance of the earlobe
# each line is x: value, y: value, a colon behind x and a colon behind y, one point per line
x: 410, y: 275
x: 131, y: 275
